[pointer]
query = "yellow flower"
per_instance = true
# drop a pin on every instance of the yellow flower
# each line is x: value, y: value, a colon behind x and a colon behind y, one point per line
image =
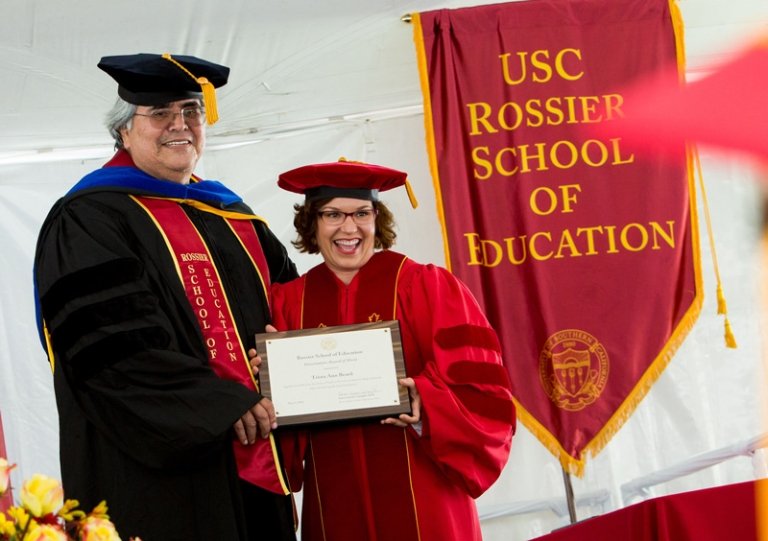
x: 7, y: 527
x: 98, y: 529
x: 100, y: 511
x: 44, y: 515
x: 70, y: 512
x: 41, y: 495
x: 46, y: 532
x: 20, y: 517
x: 5, y: 474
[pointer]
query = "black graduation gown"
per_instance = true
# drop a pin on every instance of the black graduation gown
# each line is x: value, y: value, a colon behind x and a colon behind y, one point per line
x: 145, y: 424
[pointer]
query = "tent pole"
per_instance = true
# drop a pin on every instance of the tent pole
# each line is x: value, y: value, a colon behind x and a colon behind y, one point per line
x: 569, y: 496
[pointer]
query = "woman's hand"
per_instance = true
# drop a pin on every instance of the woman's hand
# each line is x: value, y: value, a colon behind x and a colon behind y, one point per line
x: 253, y: 355
x: 404, y: 420
x: 255, y: 361
x: 261, y: 418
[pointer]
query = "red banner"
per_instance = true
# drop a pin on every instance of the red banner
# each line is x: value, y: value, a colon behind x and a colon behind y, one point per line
x: 583, y: 255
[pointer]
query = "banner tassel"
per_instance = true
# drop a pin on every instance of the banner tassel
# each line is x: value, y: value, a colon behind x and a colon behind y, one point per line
x: 730, y: 340
x: 722, y: 307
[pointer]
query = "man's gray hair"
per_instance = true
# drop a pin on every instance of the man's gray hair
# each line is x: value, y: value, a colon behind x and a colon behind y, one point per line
x: 119, y: 117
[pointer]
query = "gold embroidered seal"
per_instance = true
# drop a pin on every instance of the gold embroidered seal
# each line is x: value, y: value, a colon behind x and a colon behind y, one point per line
x: 573, y: 369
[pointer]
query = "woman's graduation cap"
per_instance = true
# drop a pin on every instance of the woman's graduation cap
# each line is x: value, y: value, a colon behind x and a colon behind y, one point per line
x: 344, y: 179
x: 154, y: 79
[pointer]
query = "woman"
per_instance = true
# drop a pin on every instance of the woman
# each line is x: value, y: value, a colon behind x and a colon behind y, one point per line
x: 414, y: 477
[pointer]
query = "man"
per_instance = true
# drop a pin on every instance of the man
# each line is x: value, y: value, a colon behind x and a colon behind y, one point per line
x: 151, y: 284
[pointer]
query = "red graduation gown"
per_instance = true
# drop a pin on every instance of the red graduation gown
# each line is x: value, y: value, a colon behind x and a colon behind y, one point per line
x: 383, y: 483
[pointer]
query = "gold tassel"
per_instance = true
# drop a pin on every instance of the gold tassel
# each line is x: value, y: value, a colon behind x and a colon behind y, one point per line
x: 209, y: 100
x: 722, y: 306
x: 411, y: 195
x: 730, y: 340
x: 209, y: 91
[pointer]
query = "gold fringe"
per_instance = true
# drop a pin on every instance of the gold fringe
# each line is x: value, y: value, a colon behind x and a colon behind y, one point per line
x: 575, y: 465
x: 569, y: 463
x: 421, y: 60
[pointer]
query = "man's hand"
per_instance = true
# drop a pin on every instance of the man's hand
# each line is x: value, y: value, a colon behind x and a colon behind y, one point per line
x: 259, y: 420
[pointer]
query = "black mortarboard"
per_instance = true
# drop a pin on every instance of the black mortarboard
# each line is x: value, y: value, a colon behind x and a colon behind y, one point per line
x: 154, y: 79
x: 344, y: 179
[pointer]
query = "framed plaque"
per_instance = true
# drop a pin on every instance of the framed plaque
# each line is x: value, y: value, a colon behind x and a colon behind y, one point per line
x: 338, y: 373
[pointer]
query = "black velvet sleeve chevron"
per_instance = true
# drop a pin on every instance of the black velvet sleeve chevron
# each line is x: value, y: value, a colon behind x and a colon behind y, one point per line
x: 129, y: 356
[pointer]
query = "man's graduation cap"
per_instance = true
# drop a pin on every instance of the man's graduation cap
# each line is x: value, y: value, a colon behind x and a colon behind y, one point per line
x: 154, y: 79
x: 344, y: 179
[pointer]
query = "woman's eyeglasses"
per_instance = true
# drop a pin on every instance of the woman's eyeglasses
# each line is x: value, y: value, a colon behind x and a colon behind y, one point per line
x: 337, y: 217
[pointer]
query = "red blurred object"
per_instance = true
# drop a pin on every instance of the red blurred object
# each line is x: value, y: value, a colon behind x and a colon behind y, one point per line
x: 727, y: 109
x: 6, y: 500
x: 710, y: 514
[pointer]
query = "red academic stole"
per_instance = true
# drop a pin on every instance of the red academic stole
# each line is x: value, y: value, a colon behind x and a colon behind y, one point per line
x: 367, y: 453
x: 255, y: 463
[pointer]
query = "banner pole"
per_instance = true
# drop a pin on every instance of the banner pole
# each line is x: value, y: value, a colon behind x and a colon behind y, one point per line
x: 569, y: 496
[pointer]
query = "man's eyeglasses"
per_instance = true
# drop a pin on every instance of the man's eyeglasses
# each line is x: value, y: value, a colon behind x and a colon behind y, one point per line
x: 337, y: 217
x: 160, y: 118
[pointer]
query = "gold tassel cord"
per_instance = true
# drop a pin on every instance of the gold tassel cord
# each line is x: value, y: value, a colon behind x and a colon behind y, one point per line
x: 209, y: 91
x: 722, y: 309
x: 722, y: 305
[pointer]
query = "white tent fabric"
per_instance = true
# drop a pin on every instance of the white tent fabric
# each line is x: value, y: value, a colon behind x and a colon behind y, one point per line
x: 313, y: 81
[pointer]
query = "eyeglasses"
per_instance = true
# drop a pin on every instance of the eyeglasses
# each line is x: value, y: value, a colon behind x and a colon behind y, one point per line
x: 160, y: 118
x: 337, y: 217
